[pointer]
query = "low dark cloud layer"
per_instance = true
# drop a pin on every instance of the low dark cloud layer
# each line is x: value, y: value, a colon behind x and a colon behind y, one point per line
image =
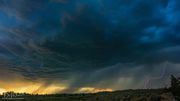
x: 90, y: 42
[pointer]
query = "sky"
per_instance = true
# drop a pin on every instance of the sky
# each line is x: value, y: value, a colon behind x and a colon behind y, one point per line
x: 72, y: 46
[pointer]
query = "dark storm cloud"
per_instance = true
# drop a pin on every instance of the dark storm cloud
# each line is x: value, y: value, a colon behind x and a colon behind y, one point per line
x: 112, y: 30
x: 60, y: 39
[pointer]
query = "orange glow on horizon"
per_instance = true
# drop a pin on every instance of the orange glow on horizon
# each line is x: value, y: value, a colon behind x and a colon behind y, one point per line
x: 93, y: 90
x: 2, y: 90
x: 30, y: 87
x: 41, y: 88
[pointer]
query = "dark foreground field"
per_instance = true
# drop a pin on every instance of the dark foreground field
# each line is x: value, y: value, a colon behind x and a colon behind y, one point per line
x: 127, y: 95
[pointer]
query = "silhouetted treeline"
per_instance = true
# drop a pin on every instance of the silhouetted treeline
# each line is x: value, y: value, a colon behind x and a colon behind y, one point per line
x: 175, y: 87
